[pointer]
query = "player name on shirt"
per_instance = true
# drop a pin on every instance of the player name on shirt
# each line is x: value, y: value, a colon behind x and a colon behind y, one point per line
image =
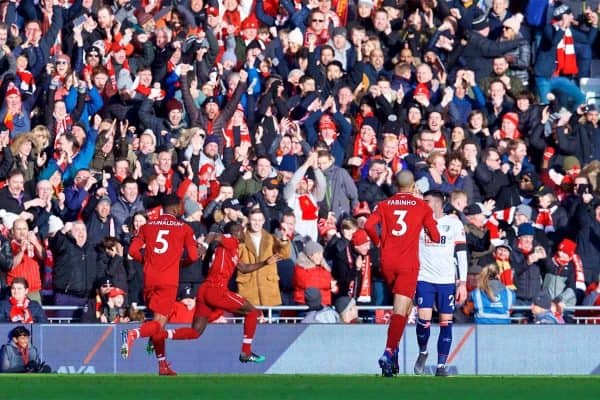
x: 401, y: 202
x: 165, y: 223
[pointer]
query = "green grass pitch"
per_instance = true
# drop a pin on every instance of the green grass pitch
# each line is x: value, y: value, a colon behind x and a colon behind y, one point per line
x: 304, y: 387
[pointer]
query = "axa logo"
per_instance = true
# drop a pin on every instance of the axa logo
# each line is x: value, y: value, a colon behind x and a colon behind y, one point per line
x: 72, y: 369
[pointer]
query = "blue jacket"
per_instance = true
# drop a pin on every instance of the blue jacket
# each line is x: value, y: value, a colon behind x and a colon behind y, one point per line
x: 493, y: 312
x: 37, y: 313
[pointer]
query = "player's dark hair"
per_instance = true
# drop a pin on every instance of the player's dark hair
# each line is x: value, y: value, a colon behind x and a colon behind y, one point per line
x: 435, y: 193
x: 171, y: 201
x: 230, y: 227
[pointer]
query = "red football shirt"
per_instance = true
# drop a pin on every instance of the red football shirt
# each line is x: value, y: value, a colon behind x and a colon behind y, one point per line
x: 224, y: 263
x: 401, y: 217
x: 165, y: 239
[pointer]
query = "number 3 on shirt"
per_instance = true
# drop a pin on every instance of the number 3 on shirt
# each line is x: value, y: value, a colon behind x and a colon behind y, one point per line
x: 400, y: 222
x: 162, y: 241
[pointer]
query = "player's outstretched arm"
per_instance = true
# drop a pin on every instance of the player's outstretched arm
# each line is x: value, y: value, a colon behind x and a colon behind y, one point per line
x: 135, y: 249
x: 246, y: 268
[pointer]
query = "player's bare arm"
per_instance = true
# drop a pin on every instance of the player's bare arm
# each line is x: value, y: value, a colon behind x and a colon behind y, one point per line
x: 246, y: 268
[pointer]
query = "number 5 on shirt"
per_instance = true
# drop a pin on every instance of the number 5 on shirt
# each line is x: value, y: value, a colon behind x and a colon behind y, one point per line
x: 161, y: 239
x: 400, y: 222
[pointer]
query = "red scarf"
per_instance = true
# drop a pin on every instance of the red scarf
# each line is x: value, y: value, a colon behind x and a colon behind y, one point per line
x: 525, y: 247
x: 309, y: 209
x: 441, y: 145
x: 364, y: 151
x: 19, y: 313
x: 506, y: 272
x: 233, y: 18
x: 544, y: 219
x: 322, y: 38
x: 27, y: 81
x: 566, y: 60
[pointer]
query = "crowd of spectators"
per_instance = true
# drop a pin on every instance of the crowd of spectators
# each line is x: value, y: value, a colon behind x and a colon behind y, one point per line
x: 293, y: 117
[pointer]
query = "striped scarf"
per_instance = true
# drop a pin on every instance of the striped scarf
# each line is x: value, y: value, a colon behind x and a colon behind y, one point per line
x: 566, y: 61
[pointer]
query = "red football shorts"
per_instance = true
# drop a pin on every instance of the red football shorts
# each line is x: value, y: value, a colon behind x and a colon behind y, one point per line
x: 160, y: 299
x: 209, y: 299
x: 402, y: 281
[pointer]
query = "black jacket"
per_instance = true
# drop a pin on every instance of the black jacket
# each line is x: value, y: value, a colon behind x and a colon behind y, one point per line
x: 75, y: 268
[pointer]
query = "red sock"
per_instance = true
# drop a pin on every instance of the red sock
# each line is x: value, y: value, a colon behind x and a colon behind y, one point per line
x: 159, y: 346
x: 183, y: 334
x: 395, y: 331
x: 250, y: 322
x: 150, y: 328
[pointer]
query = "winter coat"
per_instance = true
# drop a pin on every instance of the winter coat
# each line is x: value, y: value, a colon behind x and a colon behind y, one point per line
x: 11, y: 360
x: 341, y: 195
x: 261, y: 287
x: 588, y: 242
x: 307, y: 274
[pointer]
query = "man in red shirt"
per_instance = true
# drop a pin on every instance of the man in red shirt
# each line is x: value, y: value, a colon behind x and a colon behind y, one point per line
x: 163, y: 240
x: 214, y: 296
x: 401, y: 219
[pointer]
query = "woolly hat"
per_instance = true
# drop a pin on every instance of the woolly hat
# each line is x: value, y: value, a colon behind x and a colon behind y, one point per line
x: 229, y: 55
x: 480, y: 22
x: 525, y: 210
x: 360, y: 237
x: 473, y: 209
x: 211, y: 139
x: 105, y: 199
x: 368, y: 3
x: 211, y: 99
x: 371, y: 122
x: 512, y: 117
x: 392, y: 125
x: 173, y: 104
x: 543, y: 300
x: 289, y: 163
x: 514, y: 22
x: 325, y: 226
x: 327, y: 122
x: 313, y: 298
x: 339, y: 31
x: 311, y: 247
x: 342, y: 303
x: 568, y: 247
x: 503, y: 243
x: 214, y: 11
x: 361, y: 210
x: 526, y: 229
x: 190, y: 207
x: 296, y: 36
x: 570, y: 162
x: 12, y: 89
x: 250, y: 23
x: 64, y: 57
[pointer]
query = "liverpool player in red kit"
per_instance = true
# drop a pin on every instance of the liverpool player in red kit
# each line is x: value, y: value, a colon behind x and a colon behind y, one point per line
x: 163, y: 241
x: 401, y: 219
x: 214, y: 297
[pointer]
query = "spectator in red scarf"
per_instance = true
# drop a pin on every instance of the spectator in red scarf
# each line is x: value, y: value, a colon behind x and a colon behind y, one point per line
x: 19, y: 308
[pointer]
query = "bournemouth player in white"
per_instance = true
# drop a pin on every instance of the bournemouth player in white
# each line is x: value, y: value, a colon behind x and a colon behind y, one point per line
x: 437, y: 282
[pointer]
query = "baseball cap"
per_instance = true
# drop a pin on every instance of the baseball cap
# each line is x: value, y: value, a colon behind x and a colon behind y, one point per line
x: 232, y: 203
x: 114, y: 292
x: 270, y: 183
x: 473, y: 209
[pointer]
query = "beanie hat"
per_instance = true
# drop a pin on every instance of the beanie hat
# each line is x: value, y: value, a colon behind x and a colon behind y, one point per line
x: 568, y: 247
x: 296, y: 37
x: 229, y: 55
x: 392, y: 125
x: 211, y: 139
x: 543, y: 300
x: 12, y: 89
x: 361, y: 210
x: 372, y: 122
x: 512, y: 117
x: 570, y: 162
x: 526, y: 229
x: 342, y: 303
x: 560, y: 9
x: 360, y: 237
x: 514, y: 22
x: 250, y: 23
x: 524, y: 209
x: 311, y: 247
x: 313, y: 298
x: 173, y: 104
x: 480, y: 22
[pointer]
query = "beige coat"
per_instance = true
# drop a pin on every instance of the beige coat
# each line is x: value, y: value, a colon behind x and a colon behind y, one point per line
x: 261, y: 287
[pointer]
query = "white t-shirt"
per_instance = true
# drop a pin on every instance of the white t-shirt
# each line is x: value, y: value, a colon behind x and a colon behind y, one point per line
x: 438, y: 264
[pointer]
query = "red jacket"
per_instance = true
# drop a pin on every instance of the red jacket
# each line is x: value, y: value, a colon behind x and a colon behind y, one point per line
x: 306, y: 275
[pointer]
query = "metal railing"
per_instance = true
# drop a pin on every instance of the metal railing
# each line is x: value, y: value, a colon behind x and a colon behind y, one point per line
x: 276, y: 314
